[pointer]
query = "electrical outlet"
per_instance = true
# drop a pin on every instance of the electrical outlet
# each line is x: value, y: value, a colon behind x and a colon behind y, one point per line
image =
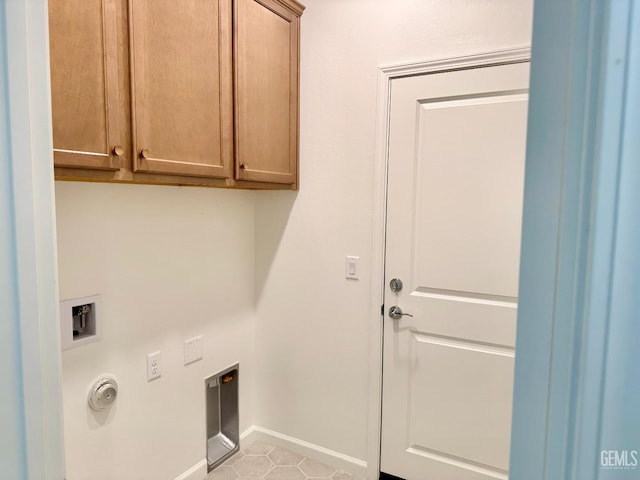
x: 193, y: 350
x: 154, y: 367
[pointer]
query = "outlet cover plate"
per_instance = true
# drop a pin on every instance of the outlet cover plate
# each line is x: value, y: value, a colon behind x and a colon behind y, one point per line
x: 193, y: 350
x: 154, y: 365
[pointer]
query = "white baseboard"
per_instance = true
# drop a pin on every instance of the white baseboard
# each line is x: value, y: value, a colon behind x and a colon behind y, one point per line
x: 315, y: 452
x: 197, y: 472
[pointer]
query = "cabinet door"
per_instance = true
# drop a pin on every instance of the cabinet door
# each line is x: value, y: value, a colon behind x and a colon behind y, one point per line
x: 181, y: 86
x: 84, y: 84
x: 266, y: 81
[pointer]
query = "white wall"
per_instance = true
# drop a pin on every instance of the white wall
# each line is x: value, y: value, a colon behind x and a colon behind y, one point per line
x: 312, y: 324
x: 173, y: 262
x: 170, y: 263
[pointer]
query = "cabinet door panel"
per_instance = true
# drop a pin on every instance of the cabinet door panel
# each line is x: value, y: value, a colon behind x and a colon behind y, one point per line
x: 182, y: 86
x: 84, y: 83
x: 266, y: 43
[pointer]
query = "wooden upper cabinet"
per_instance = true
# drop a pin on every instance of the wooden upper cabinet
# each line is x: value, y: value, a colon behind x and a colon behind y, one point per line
x: 180, y: 92
x: 182, y: 86
x: 266, y: 44
x: 84, y: 84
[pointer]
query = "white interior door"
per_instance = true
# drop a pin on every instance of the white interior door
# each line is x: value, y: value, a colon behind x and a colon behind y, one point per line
x: 455, y: 188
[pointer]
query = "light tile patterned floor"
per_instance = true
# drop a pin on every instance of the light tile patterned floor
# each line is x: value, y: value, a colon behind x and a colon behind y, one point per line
x: 260, y: 461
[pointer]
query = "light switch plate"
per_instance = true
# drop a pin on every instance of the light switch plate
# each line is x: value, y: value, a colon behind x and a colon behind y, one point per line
x: 193, y: 350
x: 352, y: 268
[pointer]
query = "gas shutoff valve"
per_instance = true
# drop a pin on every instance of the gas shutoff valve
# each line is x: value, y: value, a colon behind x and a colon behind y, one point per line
x: 103, y: 394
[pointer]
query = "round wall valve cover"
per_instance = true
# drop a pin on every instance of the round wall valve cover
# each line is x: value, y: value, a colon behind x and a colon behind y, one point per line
x: 103, y: 393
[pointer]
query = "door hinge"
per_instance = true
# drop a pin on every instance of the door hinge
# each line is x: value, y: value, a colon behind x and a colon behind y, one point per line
x: 382, y: 310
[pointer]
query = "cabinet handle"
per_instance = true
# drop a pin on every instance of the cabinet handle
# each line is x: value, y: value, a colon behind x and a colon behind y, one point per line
x: 144, y: 153
x: 118, y: 151
x: 243, y: 166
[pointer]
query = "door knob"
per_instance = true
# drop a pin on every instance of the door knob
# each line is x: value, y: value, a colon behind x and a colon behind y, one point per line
x: 118, y: 151
x: 144, y: 153
x: 395, y: 284
x: 396, y: 313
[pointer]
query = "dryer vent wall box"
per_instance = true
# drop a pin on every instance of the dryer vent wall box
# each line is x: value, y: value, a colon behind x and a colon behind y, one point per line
x: 223, y: 426
x: 80, y: 321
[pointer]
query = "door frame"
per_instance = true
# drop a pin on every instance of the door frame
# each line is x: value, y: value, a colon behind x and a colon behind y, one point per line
x: 30, y: 240
x: 386, y: 75
x: 580, y: 266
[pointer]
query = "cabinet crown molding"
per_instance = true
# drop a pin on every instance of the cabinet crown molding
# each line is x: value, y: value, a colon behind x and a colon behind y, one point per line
x: 293, y: 5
